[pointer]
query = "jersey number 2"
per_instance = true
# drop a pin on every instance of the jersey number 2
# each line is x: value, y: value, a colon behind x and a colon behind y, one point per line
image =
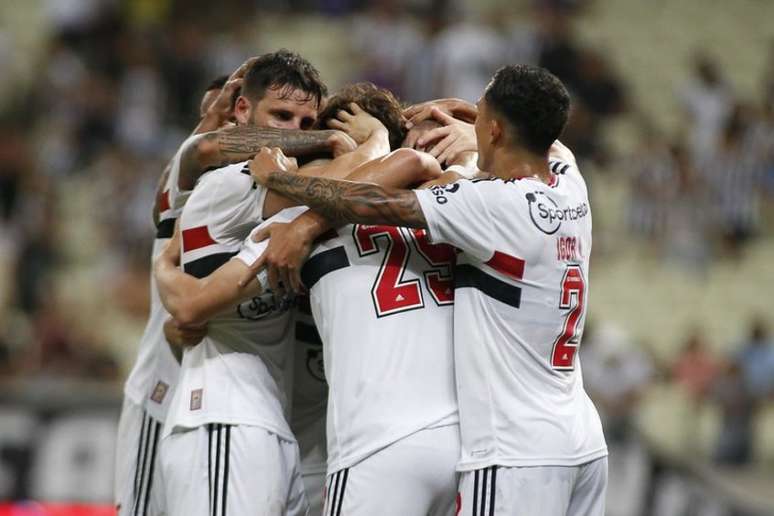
x: 572, y: 297
x: 391, y: 293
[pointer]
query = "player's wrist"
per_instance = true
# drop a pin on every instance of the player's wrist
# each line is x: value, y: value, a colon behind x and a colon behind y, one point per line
x: 311, y: 225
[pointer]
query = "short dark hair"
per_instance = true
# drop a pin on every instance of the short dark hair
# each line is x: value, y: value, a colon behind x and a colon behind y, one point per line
x: 286, y: 70
x: 377, y: 102
x: 533, y: 101
x: 217, y: 83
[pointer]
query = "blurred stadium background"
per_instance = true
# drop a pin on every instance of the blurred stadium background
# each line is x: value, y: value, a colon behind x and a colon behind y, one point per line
x: 673, y: 124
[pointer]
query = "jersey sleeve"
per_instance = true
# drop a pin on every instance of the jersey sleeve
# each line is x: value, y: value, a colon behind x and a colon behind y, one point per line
x: 176, y: 197
x: 251, y: 250
x: 229, y: 203
x: 459, y: 214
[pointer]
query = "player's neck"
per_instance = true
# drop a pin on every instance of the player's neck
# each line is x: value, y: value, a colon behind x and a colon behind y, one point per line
x: 517, y: 164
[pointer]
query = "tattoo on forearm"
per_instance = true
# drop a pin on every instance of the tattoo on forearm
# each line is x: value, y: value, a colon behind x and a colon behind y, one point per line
x: 239, y: 143
x: 242, y: 142
x: 346, y: 201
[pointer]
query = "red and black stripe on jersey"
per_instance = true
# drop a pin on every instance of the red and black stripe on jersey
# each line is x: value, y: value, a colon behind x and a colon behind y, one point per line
x: 197, y: 238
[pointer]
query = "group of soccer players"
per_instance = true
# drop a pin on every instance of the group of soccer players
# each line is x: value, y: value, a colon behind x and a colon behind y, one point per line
x: 361, y: 309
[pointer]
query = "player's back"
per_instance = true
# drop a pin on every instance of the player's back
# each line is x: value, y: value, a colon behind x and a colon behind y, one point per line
x: 382, y: 298
x: 236, y: 374
x: 521, y: 291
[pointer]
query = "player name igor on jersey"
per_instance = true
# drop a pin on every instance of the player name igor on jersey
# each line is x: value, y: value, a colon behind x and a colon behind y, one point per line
x: 521, y: 291
x: 382, y: 298
x: 235, y: 375
x: 151, y: 383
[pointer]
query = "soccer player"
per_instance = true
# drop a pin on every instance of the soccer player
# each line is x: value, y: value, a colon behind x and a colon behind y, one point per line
x: 532, y: 442
x: 149, y: 386
x: 217, y: 292
x: 232, y: 384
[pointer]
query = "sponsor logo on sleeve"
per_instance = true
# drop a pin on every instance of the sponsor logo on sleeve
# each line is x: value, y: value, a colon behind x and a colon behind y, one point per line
x: 548, y: 216
x: 441, y: 191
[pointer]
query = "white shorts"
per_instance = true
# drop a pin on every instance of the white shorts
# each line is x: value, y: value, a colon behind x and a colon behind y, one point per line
x: 231, y: 470
x: 314, y: 484
x: 535, y: 491
x: 413, y: 477
x: 137, y: 443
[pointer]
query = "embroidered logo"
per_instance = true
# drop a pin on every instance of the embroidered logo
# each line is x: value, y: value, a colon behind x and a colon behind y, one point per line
x: 196, y: 399
x: 159, y: 392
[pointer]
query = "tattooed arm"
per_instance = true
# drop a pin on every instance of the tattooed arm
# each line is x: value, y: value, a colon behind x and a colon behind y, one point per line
x: 238, y: 143
x: 347, y: 201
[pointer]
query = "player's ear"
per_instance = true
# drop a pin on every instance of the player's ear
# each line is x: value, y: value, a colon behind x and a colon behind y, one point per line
x: 242, y: 110
x: 495, y: 131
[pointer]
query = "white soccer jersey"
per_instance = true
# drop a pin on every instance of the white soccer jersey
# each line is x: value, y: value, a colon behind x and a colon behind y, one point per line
x: 521, y: 292
x: 382, y: 299
x: 151, y: 383
x: 310, y: 392
x: 236, y: 374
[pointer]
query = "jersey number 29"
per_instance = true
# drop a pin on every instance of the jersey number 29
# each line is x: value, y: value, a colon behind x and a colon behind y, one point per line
x: 391, y: 293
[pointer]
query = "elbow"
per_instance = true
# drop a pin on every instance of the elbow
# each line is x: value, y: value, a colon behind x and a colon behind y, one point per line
x: 187, y: 314
x: 201, y: 150
x: 422, y: 165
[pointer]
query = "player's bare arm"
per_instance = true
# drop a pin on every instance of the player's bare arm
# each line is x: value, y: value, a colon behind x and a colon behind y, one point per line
x: 372, y: 140
x: 458, y: 108
x: 291, y: 243
x: 221, y: 110
x: 344, y: 201
x: 192, y: 301
x: 234, y: 144
x: 216, y: 111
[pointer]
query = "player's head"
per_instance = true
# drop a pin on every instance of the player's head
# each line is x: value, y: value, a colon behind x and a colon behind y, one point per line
x: 211, y: 93
x: 523, y: 108
x: 377, y: 102
x: 282, y: 90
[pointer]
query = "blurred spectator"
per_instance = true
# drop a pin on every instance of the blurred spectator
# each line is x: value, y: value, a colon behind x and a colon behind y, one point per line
x: 14, y: 162
x: 734, y: 445
x: 734, y: 174
x: 615, y: 375
x: 707, y: 100
x: 470, y: 51
x: 424, y: 73
x: 688, y: 214
x: 387, y: 38
x: 652, y: 169
x: 695, y: 369
x: 756, y: 360
x: 597, y: 91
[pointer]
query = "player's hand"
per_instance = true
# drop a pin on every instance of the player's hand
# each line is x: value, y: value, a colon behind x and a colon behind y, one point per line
x: 456, y: 108
x: 359, y: 124
x: 446, y: 143
x: 289, y: 247
x: 270, y: 160
x: 183, y: 336
x: 341, y: 143
x: 223, y: 105
x: 417, y: 132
